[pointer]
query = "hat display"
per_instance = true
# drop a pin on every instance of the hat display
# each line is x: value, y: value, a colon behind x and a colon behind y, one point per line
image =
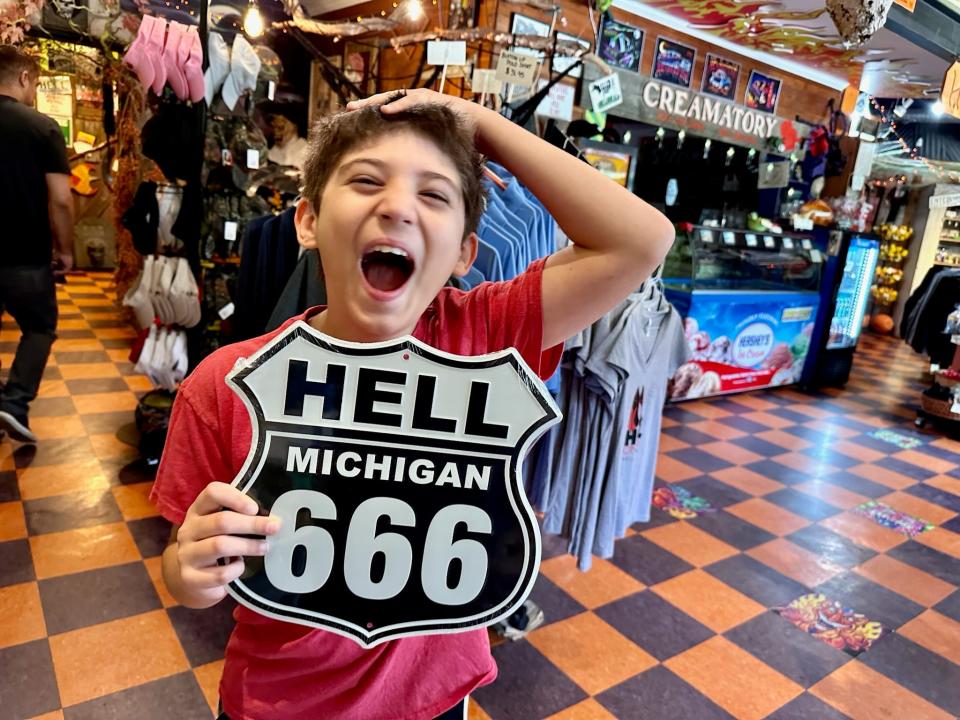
x: 244, y: 69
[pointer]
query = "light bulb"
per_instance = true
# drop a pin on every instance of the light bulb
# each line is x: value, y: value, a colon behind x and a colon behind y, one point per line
x: 253, y: 21
x: 414, y: 10
x: 937, y: 108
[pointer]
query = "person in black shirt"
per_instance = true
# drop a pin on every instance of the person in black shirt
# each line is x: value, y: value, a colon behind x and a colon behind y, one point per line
x: 36, y: 229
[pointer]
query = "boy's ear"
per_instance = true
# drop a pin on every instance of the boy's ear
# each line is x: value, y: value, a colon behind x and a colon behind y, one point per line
x: 468, y: 254
x: 306, y: 222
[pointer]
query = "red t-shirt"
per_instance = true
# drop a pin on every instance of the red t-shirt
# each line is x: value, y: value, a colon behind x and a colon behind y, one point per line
x: 276, y: 670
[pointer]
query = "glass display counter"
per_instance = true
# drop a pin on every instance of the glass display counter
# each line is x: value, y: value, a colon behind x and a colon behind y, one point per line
x: 749, y: 301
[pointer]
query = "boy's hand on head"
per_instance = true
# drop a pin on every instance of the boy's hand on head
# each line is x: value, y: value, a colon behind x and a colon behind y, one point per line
x: 397, y: 101
x: 211, y: 531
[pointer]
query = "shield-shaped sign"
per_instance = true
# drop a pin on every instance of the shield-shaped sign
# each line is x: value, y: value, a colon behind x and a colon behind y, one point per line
x: 395, y: 469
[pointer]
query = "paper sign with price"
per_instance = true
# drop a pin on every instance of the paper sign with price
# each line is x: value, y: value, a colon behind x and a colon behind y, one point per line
x: 443, y: 52
x: 605, y: 93
x: 516, y: 69
x: 395, y: 470
x: 558, y: 103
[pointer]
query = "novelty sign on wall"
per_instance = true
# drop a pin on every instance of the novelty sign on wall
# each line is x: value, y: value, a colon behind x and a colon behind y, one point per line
x: 395, y: 470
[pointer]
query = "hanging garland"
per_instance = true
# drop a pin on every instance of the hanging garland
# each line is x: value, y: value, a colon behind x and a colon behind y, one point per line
x: 913, y: 152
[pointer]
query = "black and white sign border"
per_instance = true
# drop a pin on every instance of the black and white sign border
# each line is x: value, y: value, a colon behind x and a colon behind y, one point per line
x: 236, y: 380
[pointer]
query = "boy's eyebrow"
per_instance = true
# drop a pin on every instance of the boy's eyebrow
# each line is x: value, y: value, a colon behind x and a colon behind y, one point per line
x: 381, y: 165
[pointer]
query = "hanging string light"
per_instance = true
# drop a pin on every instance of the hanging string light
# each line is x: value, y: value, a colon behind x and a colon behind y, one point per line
x: 913, y: 152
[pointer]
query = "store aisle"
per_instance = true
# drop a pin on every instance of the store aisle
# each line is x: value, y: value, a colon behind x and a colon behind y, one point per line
x: 691, y: 618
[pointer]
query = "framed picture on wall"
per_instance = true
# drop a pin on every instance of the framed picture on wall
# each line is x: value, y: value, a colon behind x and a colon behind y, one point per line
x: 562, y: 62
x: 673, y: 62
x: 525, y: 25
x: 620, y: 45
x: 323, y: 99
x: 762, y: 93
x: 720, y: 77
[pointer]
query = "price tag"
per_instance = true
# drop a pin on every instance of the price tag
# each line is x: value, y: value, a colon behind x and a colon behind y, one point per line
x: 605, y: 93
x: 706, y: 236
x: 230, y: 230
x: 751, y: 240
x: 769, y: 242
x: 806, y: 244
x: 485, y: 82
x: 226, y: 311
x: 447, y: 52
x: 271, y: 90
x: 226, y: 157
x: 558, y: 103
x: 816, y: 256
x: 253, y: 159
x: 729, y: 238
x: 802, y: 223
x: 517, y: 69
x: 787, y: 243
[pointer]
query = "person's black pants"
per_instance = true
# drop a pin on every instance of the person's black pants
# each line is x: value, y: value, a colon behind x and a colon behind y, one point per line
x: 457, y: 712
x: 29, y: 295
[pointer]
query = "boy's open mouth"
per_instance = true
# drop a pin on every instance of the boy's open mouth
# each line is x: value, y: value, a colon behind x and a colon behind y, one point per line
x: 386, y: 268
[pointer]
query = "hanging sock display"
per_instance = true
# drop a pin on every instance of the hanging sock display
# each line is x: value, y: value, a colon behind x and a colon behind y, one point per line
x: 171, y: 59
x: 192, y: 63
x: 154, y: 50
x: 137, y: 57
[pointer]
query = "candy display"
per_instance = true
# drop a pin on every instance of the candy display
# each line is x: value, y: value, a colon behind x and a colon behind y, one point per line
x: 740, y: 342
x: 894, y: 233
x: 892, y: 252
x: 884, y: 295
x: 887, y: 275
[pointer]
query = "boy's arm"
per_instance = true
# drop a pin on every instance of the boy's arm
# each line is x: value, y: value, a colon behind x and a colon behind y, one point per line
x: 618, y: 238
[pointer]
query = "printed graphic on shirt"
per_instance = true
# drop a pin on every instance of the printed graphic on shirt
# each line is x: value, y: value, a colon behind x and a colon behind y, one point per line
x: 395, y: 470
x: 634, y: 424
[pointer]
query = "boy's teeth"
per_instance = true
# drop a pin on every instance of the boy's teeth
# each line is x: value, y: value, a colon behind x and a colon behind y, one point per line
x: 389, y: 249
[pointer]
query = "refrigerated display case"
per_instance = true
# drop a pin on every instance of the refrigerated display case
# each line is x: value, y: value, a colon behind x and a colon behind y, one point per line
x: 845, y: 291
x: 748, y: 300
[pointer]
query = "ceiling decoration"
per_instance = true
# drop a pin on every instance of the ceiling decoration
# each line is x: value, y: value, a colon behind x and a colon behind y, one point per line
x: 802, y: 32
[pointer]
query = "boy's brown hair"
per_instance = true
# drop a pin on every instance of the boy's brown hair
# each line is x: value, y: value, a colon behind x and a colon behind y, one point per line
x: 335, y: 136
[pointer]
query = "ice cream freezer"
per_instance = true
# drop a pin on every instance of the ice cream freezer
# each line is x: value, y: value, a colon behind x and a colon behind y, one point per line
x: 749, y: 302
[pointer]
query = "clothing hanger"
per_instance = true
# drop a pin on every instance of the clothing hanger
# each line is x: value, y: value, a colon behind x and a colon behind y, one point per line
x: 494, y: 178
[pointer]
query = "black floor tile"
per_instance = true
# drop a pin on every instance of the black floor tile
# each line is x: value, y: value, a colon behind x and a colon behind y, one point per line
x: 781, y: 473
x: 787, y: 649
x: 950, y: 606
x: 646, y: 561
x: 930, y: 676
x: 857, y: 484
x: 177, y: 696
x: 909, y: 469
x: 100, y: 423
x: 151, y: 535
x: 759, y: 446
x: 67, y: 512
x: 76, y: 334
x: 684, y: 417
x: 802, y: 504
x: 936, y: 495
x: 16, y: 562
x: 28, y: 682
x: 673, y: 632
x: 744, y: 425
x: 555, y: 603
x: 756, y: 580
x: 732, y: 530
x: 699, y: 459
x: 689, y: 435
x: 88, y: 356
x: 929, y: 560
x: 203, y: 633
x: 661, y: 694
x: 516, y: 695
x: 96, y: 596
x: 835, y: 548
x: 9, y: 487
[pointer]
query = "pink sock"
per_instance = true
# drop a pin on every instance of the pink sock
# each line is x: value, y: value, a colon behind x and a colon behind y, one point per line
x: 171, y: 59
x: 136, y: 54
x: 192, y: 63
x: 155, y: 53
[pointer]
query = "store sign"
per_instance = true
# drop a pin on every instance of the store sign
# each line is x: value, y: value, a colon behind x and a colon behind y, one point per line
x: 659, y: 103
x: 558, y: 103
x: 943, y: 201
x: 395, y: 471
x: 744, y: 341
x: 605, y: 93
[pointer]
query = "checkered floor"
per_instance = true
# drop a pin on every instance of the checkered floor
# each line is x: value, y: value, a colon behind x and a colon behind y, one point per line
x: 686, y: 621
